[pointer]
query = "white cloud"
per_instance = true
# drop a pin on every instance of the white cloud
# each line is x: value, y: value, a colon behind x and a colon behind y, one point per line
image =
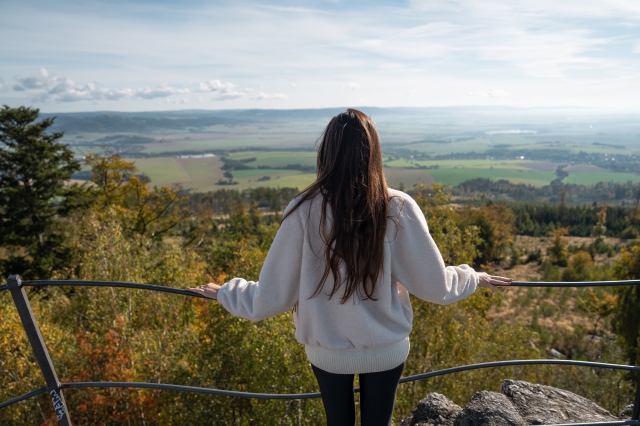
x: 496, y: 93
x: 221, y: 91
x: 42, y: 79
x: 573, y: 52
x: 351, y: 86
x: 1, y: 83
x: 45, y: 86
x: 262, y: 96
x: 510, y: 132
x: 158, y: 92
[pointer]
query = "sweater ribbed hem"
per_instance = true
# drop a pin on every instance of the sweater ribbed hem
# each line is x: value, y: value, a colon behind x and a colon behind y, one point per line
x: 358, y: 362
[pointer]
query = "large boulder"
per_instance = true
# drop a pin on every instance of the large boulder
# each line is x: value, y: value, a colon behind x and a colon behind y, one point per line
x: 541, y: 405
x: 626, y: 412
x: 489, y: 408
x: 519, y: 403
x: 434, y: 410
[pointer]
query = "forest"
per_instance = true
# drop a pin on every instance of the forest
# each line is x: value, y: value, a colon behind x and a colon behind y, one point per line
x: 119, y: 227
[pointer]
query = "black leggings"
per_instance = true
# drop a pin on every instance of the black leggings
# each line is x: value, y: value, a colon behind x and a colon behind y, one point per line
x: 377, y: 396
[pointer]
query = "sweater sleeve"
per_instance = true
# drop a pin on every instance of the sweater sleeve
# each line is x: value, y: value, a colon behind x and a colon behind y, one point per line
x: 278, y: 287
x: 418, y: 265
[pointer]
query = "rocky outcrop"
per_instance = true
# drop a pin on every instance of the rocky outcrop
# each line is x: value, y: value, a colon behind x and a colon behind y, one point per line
x: 543, y: 405
x: 518, y: 404
x: 626, y: 412
x: 489, y: 408
x: 434, y: 410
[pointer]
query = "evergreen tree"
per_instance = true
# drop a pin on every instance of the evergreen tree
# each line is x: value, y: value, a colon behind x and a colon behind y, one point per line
x: 34, y: 166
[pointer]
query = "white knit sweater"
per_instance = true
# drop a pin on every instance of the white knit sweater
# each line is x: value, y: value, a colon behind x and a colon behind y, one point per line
x: 359, y: 336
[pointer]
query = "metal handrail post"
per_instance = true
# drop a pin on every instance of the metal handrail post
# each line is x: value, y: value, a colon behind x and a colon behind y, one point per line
x: 40, y: 350
x: 636, y: 404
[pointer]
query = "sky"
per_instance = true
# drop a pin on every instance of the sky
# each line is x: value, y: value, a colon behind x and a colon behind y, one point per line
x: 141, y: 55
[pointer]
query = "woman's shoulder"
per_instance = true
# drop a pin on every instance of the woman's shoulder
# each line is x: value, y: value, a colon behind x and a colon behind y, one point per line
x: 399, y: 200
x: 301, y: 203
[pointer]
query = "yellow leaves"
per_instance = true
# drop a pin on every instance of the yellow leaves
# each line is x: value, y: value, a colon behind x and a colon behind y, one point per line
x: 144, y: 211
x: 597, y: 305
x: 628, y: 266
x: 457, y: 243
x: 109, y: 173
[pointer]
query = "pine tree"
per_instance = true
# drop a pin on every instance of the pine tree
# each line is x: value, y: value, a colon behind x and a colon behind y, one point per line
x: 34, y: 167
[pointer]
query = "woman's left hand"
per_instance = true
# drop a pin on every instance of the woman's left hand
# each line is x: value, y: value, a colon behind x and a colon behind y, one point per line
x: 493, y: 282
x: 209, y: 291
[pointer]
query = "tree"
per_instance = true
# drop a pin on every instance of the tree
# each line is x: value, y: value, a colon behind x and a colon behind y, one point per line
x: 34, y: 167
x: 457, y: 243
x: 144, y: 211
x: 496, y: 231
x: 626, y: 321
x: 557, y: 252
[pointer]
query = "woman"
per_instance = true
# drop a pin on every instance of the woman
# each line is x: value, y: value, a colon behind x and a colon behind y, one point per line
x: 348, y: 250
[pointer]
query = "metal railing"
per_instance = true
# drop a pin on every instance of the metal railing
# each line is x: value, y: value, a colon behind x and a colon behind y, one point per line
x: 55, y: 388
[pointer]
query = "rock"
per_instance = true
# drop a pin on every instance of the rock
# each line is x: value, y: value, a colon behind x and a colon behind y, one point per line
x: 491, y: 409
x: 434, y: 410
x: 555, y: 353
x: 540, y: 405
x: 626, y: 412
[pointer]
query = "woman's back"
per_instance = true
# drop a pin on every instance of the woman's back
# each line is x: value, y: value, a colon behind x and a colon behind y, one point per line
x: 341, y: 336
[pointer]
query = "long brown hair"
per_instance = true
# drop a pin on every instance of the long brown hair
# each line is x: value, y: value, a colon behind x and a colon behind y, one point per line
x: 351, y: 180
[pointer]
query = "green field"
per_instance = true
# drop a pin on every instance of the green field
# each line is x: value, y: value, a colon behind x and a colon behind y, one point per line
x: 276, y: 158
x: 204, y: 145
x: 202, y: 174
x: 300, y: 181
x: 399, y: 177
x: 456, y: 176
x: 454, y: 172
x: 591, y: 178
x: 162, y: 170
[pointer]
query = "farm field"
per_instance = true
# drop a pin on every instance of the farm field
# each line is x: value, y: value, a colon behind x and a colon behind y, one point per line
x: 276, y: 158
x: 492, y: 143
x: 453, y: 176
x: 201, y: 174
x: 406, y: 178
x: 299, y: 180
x: 205, y: 144
x: 162, y: 171
x: 454, y: 172
x: 591, y: 178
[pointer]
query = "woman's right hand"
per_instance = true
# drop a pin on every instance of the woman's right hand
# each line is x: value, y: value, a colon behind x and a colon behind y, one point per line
x: 210, y: 291
x: 493, y: 282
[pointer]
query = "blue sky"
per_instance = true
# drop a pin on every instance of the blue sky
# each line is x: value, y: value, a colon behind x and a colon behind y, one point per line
x: 163, y: 55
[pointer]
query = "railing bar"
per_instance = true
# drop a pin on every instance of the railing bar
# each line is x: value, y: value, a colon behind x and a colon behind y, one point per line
x: 517, y: 362
x: 615, y: 422
x: 143, y: 385
x: 316, y: 394
x: 23, y: 397
x: 44, y: 283
x: 574, y: 283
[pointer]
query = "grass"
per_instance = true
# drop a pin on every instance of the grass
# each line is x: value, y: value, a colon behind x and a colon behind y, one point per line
x: 454, y: 176
x: 449, y: 164
x: 204, y: 144
x: 300, y: 181
x: 276, y: 158
x: 591, y: 178
x: 163, y: 171
x: 256, y: 173
x: 398, y: 177
x: 201, y: 174
x: 454, y: 172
